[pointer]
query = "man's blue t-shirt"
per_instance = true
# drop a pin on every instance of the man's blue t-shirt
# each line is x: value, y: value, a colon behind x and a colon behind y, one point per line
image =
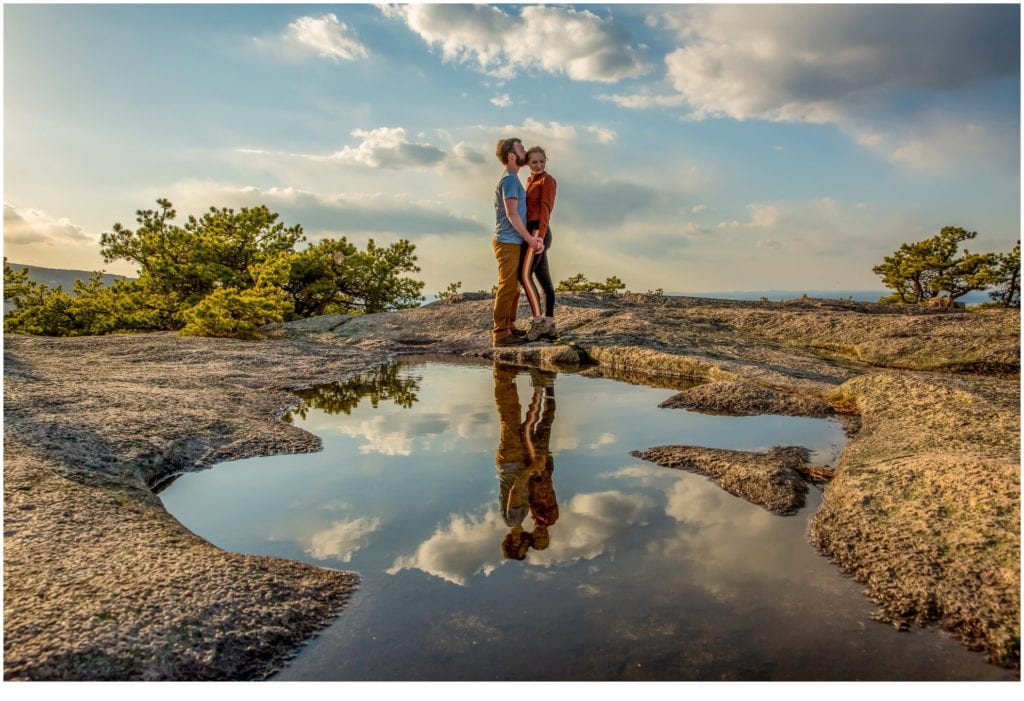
x: 508, y: 186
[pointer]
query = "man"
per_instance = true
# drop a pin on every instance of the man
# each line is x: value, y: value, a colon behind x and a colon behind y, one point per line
x: 509, y: 233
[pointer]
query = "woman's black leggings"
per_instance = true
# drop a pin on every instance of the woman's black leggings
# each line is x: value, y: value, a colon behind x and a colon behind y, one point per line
x: 538, y: 269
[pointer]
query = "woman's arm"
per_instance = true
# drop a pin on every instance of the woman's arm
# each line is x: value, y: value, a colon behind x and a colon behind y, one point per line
x: 547, y: 204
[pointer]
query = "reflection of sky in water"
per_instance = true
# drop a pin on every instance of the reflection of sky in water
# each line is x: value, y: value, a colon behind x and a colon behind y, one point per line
x: 650, y: 573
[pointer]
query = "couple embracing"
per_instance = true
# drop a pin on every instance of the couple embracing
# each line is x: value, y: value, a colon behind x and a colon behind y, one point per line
x: 521, y: 240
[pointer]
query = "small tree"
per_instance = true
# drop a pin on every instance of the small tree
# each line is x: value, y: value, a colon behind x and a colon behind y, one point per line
x: 1007, y: 274
x: 180, y: 265
x: 37, y: 308
x: 372, y: 281
x: 922, y: 270
x: 222, y: 274
x: 580, y: 283
x: 973, y: 271
x: 449, y: 292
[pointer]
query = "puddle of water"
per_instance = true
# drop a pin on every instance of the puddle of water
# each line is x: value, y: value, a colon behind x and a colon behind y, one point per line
x: 503, y: 532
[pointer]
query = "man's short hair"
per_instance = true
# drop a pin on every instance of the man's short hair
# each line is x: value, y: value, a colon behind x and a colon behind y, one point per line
x: 505, y: 147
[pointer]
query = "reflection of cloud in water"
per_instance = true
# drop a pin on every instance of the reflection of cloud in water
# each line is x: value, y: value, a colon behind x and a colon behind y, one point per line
x: 342, y: 539
x: 385, y: 436
x: 468, y: 545
x: 646, y: 473
x: 603, y: 440
x: 462, y: 430
x: 729, y: 544
x: 378, y: 438
x: 589, y: 525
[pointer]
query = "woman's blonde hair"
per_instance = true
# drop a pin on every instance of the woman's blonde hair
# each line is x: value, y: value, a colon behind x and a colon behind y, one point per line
x: 536, y: 149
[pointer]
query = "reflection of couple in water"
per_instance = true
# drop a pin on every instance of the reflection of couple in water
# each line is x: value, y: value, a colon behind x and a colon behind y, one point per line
x: 524, y: 460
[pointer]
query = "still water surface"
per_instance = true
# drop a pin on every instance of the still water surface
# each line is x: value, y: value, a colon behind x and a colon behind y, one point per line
x: 502, y: 531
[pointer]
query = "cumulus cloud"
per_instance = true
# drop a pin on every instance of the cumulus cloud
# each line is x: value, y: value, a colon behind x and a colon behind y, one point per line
x: 579, y: 44
x: 588, y: 525
x: 35, y: 237
x: 466, y: 546
x: 603, y: 135
x: 327, y: 36
x: 385, y: 147
x: 35, y: 226
x: 941, y: 143
x: 381, y: 434
x: 465, y: 152
x: 814, y: 62
x: 603, y: 204
x: 342, y: 539
x: 761, y: 216
x: 371, y: 213
x: 592, y: 524
x: 644, y: 99
x: 874, y: 71
x: 503, y: 100
x: 388, y: 148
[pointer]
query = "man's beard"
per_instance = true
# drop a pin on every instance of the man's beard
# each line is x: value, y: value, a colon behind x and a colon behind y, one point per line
x: 520, y: 161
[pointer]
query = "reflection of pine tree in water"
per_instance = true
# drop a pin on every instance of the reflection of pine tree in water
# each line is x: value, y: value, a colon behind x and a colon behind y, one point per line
x: 383, y: 383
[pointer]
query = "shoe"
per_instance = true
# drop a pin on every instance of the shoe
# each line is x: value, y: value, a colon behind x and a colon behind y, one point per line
x: 518, y: 333
x: 550, y: 334
x: 537, y: 327
x: 510, y: 340
x: 541, y: 328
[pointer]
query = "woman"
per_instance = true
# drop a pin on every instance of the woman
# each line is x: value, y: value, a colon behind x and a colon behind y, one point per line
x: 540, y: 201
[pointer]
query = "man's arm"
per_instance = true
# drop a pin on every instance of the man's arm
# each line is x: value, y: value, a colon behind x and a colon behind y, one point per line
x: 512, y: 212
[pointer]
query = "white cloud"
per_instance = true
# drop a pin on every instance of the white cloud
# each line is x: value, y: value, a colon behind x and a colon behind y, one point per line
x: 761, y: 216
x: 465, y: 152
x: 342, y: 539
x: 503, y: 100
x: 813, y: 62
x: 532, y: 129
x: 557, y: 40
x: 37, y: 227
x: 588, y: 525
x: 603, y: 135
x: 697, y: 208
x: 768, y: 243
x: 644, y: 99
x: 846, y: 65
x: 388, y: 148
x: 937, y: 143
x: 603, y: 440
x: 35, y: 237
x: 468, y: 545
x: 327, y: 36
x: 367, y: 212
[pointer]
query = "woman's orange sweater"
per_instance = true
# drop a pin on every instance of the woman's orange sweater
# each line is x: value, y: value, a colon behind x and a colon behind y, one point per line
x: 540, y: 200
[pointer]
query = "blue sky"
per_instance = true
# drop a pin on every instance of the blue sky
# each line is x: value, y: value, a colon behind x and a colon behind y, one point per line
x: 696, y: 147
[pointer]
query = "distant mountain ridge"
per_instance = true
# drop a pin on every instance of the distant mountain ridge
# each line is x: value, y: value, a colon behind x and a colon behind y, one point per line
x: 57, y: 277
x: 61, y: 277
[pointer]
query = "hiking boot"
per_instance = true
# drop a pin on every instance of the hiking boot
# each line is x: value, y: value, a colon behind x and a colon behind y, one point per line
x: 540, y: 329
x: 518, y: 333
x: 537, y: 328
x: 550, y: 334
x: 510, y: 340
